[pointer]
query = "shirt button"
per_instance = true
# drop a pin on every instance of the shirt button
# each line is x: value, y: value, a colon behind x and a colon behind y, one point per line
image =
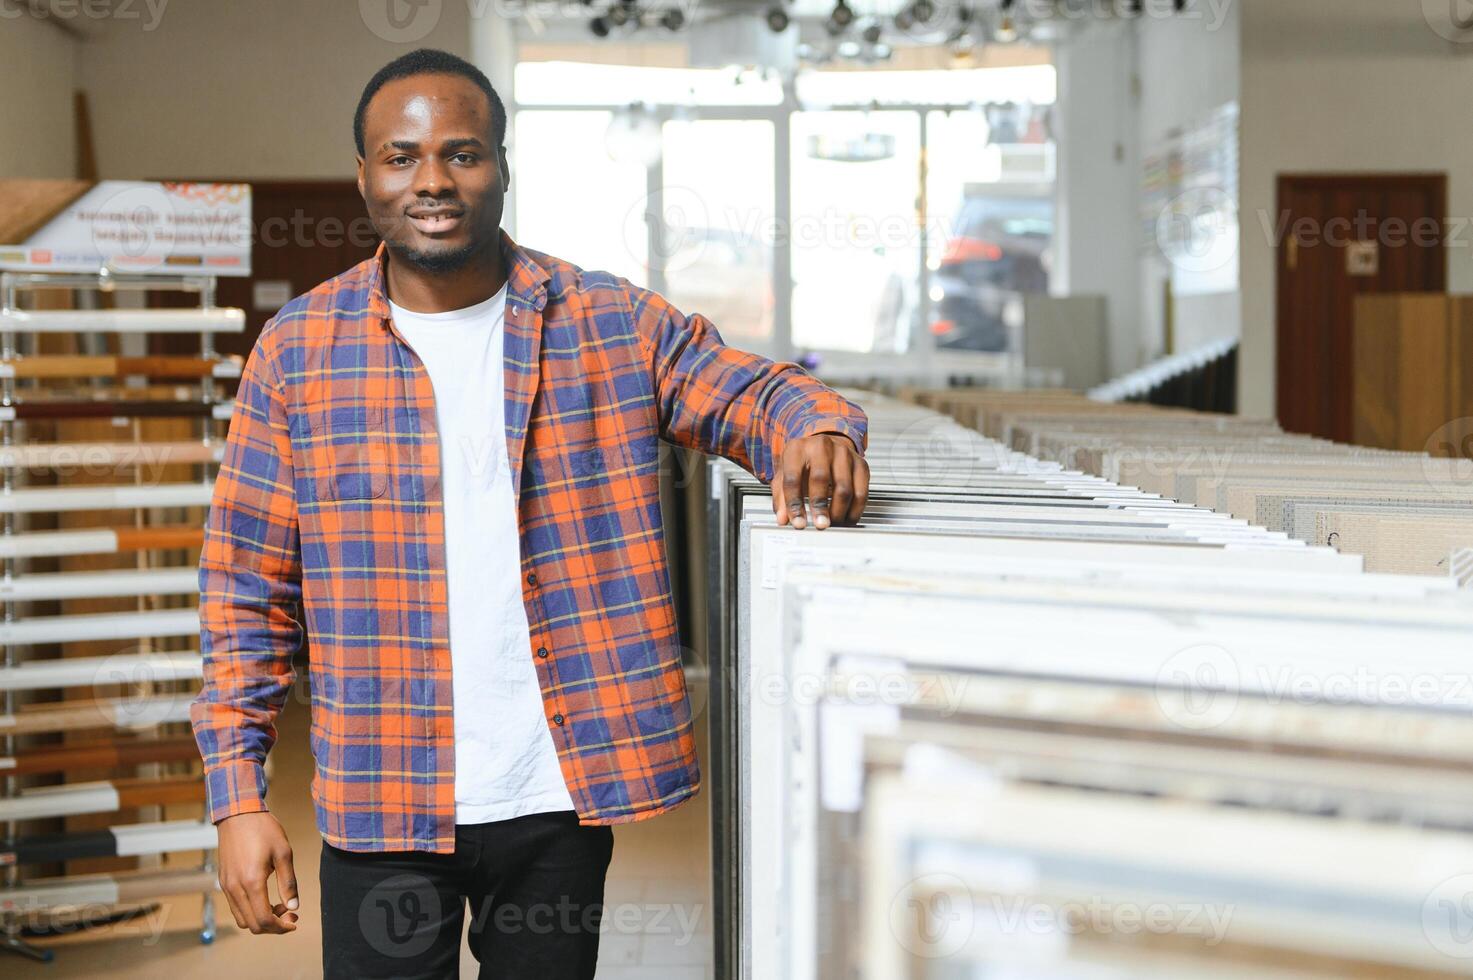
x: 531, y: 578
x: 557, y: 719
x: 542, y: 652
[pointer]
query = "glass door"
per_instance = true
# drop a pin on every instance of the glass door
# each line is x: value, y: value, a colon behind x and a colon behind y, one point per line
x: 717, y: 231
x: 585, y: 207
x: 855, y: 229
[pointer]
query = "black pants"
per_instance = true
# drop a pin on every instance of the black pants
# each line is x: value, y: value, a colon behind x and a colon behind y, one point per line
x: 535, y: 886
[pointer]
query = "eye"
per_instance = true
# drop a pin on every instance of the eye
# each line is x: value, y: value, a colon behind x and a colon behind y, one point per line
x: 395, y: 159
x: 468, y: 157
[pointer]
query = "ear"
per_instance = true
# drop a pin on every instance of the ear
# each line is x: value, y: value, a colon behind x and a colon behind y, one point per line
x: 505, y: 168
x: 360, y: 178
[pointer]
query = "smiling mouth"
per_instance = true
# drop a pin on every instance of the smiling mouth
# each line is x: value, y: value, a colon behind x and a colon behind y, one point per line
x: 431, y: 222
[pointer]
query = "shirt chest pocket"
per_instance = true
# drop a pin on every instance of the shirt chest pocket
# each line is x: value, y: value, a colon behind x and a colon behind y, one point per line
x: 346, y: 453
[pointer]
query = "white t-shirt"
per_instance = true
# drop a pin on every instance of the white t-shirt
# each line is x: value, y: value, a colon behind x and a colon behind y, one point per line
x: 505, y: 762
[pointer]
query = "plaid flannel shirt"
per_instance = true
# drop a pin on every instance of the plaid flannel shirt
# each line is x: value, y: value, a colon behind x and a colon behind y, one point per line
x: 326, y: 524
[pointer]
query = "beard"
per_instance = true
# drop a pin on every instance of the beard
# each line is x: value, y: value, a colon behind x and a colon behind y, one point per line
x: 439, y: 260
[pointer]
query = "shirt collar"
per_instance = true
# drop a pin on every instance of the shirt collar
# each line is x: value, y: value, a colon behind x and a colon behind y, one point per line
x: 526, y: 281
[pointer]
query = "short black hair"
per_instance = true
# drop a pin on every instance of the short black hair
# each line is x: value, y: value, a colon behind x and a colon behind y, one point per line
x: 428, y: 61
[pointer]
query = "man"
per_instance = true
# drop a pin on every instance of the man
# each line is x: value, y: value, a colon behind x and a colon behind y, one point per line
x: 442, y: 471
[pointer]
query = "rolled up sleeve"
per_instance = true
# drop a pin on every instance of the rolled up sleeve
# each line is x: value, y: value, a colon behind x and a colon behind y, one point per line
x: 726, y: 401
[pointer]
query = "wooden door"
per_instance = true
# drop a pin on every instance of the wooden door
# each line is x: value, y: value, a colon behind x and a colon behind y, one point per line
x: 1338, y: 236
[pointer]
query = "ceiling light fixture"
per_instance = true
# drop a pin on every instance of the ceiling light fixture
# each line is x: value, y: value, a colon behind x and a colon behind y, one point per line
x: 1007, y: 30
x: 840, y: 19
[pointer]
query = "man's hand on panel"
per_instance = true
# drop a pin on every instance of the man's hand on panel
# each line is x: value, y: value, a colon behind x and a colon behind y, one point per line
x: 826, y: 470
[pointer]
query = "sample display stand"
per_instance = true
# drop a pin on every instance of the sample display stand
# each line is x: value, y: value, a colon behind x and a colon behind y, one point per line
x: 155, y: 684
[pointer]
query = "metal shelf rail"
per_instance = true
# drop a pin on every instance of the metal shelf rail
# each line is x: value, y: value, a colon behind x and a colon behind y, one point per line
x: 154, y: 684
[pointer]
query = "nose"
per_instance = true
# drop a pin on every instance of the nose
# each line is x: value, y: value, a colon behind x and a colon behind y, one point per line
x: 433, y: 179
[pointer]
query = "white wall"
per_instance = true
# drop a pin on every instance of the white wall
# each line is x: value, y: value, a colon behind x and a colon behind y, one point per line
x: 1124, y: 87
x: 256, y: 90
x: 1187, y: 66
x: 493, y: 45
x: 38, y: 72
x: 1335, y: 86
x: 1095, y: 238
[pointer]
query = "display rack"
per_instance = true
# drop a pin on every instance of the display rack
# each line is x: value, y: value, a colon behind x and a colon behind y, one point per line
x: 1021, y: 683
x: 140, y: 692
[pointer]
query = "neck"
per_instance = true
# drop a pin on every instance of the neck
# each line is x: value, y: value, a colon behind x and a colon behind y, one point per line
x: 424, y: 291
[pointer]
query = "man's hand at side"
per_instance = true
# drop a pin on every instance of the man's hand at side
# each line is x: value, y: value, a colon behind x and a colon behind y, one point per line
x: 827, y: 470
x: 252, y: 847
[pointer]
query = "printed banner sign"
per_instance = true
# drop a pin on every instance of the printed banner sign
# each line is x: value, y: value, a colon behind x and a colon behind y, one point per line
x: 143, y: 228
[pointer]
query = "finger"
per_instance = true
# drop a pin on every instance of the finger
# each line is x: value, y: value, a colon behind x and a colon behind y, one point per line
x: 779, y: 507
x: 235, y: 898
x: 843, y: 500
x: 858, y: 486
x: 243, y: 903
x: 258, y: 907
x: 819, y: 487
x: 286, y: 878
x: 793, y: 466
x: 861, y: 488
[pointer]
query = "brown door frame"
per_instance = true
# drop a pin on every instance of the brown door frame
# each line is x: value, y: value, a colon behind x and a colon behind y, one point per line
x: 1434, y: 184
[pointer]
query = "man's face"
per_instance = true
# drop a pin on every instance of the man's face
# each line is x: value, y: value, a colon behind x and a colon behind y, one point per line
x: 433, y: 182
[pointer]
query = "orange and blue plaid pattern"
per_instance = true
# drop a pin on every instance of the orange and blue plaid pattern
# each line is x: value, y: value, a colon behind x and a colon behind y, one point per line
x: 327, y: 525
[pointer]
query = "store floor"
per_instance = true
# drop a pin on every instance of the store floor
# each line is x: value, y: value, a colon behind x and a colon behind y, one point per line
x: 657, y: 922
